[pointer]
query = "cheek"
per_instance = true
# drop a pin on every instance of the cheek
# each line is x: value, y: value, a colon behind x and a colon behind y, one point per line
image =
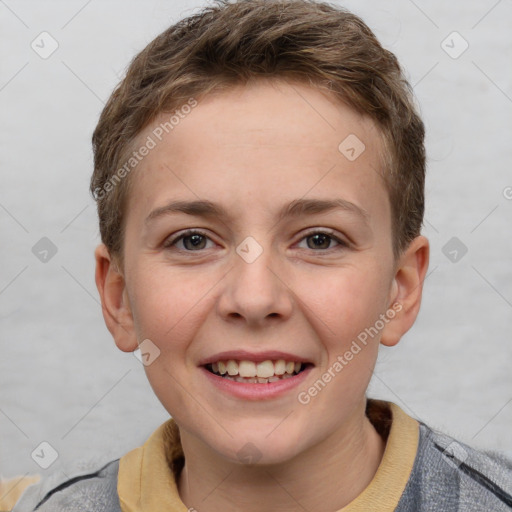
x: 165, y: 306
x: 345, y: 302
x: 168, y: 310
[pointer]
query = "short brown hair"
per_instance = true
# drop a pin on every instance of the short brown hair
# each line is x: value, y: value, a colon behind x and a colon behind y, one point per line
x: 230, y: 43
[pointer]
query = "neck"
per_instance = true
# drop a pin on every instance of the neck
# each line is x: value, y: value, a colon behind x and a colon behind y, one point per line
x: 333, y: 472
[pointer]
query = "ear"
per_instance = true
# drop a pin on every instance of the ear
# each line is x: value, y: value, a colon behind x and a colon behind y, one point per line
x: 114, y: 300
x: 406, y: 290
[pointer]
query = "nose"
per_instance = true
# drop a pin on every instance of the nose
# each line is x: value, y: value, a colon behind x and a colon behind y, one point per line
x: 256, y: 292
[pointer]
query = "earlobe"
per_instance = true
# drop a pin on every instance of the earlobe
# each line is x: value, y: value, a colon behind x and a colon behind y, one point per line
x: 114, y: 300
x: 406, y: 290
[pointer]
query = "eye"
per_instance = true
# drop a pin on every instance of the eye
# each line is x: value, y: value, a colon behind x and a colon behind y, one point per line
x: 322, y: 240
x: 192, y: 240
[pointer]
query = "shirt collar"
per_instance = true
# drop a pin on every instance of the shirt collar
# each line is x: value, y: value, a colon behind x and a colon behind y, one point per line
x: 147, y: 480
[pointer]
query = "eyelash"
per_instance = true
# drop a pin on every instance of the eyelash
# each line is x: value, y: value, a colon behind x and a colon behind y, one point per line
x: 168, y: 244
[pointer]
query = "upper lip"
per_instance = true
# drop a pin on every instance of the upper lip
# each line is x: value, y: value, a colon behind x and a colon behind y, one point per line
x: 257, y: 357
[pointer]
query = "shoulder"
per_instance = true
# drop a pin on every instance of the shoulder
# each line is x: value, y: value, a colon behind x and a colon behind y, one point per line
x: 450, y: 475
x: 88, y: 490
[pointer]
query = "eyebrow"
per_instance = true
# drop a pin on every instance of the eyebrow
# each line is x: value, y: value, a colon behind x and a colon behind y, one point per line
x: 297, y: 208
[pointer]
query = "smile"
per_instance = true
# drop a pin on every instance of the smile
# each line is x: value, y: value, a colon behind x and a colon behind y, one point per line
x: 251, y: 372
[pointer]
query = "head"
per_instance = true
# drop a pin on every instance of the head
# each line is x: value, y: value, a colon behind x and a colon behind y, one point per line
x: 240, y: 124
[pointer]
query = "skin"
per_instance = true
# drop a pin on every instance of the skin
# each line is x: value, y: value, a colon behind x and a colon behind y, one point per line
x: 252, y: 150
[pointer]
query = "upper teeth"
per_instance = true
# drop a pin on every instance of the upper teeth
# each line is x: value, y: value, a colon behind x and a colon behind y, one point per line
x: 265, y: 369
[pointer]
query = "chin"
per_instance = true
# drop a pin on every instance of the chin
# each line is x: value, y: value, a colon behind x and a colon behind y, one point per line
x: 260, y: 450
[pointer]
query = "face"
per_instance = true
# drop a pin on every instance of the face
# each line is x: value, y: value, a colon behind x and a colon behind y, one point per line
x: 256, y: 244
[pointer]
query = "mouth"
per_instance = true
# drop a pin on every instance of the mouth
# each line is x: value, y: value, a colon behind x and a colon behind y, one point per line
x: 252, y: 372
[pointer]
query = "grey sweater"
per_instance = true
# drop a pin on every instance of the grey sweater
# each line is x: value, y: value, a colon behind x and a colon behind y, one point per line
x: 447, y: 476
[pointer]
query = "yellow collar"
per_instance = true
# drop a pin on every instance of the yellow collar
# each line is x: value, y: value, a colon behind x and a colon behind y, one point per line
x: 146, y: 483
x: 12, y: 489
x: 384, y: 491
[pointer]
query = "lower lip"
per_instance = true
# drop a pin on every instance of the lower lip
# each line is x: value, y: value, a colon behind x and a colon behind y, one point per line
x: 257, y: 391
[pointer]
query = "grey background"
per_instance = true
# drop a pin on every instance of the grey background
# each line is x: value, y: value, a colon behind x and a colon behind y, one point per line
x: 62, y: 379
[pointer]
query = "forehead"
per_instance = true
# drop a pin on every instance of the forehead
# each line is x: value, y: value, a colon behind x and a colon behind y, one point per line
x: 254, y: 147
